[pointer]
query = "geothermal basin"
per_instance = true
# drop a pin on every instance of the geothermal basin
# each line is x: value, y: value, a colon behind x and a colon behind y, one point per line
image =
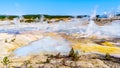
x: 24, y: 39
x: 31, y: 41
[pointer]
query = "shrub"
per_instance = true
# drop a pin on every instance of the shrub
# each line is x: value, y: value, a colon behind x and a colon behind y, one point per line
x: 26, y: 63
x: 58, y: 55
x: 30, y: 66
x: 47, y: 60
x: 5, y: 62
x: 75, y: 57
x: 63, y: 62
x: 107, y: 56
x: 13, y: 40
x: 6, y: 41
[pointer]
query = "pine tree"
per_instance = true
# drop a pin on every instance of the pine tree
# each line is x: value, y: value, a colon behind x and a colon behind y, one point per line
x: 107, y: 56
x: 5, y: 62
x: 76, y: 56
x: 71, y: 53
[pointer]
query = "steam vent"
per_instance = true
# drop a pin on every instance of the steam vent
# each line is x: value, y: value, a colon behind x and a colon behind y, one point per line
x: 59, y: 34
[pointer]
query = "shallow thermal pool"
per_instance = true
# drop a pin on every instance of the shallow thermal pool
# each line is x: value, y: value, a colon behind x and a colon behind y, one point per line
x: 46, y: 44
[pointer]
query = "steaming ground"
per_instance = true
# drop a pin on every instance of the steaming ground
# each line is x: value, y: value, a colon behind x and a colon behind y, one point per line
x: 50, y: 44
x: 31, y: 38
x: 70, y: 27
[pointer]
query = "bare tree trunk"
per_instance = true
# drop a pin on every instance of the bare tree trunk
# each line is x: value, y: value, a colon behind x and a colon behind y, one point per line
x: 26, y: 66
x: 6, y: 66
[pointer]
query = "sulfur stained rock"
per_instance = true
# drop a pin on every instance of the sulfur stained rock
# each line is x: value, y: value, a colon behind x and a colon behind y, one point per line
x: 108, y: 44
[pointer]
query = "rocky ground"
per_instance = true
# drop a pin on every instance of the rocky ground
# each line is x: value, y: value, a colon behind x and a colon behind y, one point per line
x: 93, y: 52
x: 65, y: 61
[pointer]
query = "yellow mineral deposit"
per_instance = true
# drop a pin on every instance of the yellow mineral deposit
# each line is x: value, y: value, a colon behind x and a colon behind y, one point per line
x: 92, y: 47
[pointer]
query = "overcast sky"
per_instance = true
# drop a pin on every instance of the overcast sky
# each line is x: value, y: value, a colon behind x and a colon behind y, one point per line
x: 57, y: 7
